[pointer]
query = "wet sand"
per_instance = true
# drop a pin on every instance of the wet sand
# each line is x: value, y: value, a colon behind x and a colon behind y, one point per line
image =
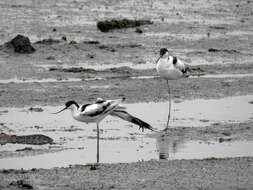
x: 226, y: 173
x: 213, y: 35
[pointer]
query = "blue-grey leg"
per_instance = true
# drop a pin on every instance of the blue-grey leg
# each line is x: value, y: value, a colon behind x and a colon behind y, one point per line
x: 167, y: 126
x: 97, y: 143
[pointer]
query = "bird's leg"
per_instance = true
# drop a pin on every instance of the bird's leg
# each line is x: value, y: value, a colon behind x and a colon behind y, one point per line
x: 97, y: 143
x: 167, y: 126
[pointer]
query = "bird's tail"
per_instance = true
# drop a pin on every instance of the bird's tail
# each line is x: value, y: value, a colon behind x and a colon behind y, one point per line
x: 128, y: 117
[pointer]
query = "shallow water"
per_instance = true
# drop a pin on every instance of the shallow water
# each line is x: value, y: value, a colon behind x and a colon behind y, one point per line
x: 122, y: 151
x: 76, y: 141
x: 169, y: 148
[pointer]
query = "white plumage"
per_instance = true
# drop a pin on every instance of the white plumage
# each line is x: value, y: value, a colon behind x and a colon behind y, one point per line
x: 170, y: 68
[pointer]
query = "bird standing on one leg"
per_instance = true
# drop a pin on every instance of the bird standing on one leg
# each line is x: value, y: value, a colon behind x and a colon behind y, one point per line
x: 96, y: 112
x: 170, y: 68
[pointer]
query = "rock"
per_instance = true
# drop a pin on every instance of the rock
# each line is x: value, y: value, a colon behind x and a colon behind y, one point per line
x: 138, y: 30
x: 72, y: 69
x: 35, y: 109
x: 21, y: 184
x: 232, y: 51
x: 49, y: 41
x: 21, y: 44
x: 50, y: 58
x: 31, y: 139
x: 64, y: 38
x: 221, y: 140
x: 91, y: 56
x: 91, y: 42
x: 24, y: 149
x: 107, y: 25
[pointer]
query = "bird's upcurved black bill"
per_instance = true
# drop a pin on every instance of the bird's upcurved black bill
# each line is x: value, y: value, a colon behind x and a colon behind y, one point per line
x: 60, y: 111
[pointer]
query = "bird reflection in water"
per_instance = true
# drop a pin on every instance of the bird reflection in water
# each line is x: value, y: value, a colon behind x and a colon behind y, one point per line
x: 167, y: 146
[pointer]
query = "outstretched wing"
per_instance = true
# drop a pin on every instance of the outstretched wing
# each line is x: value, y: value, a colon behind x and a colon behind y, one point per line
x: 128, y: 117
x: 101, y: 107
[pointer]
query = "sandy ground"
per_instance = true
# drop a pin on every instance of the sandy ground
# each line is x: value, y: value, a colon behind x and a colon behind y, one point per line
x: 188, y: 28
x: 181, y: 174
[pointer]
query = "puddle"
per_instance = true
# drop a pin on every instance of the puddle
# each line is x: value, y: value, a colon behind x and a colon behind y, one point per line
x: 141, y: 149
x: 76, y: 141
x: 169, y: 148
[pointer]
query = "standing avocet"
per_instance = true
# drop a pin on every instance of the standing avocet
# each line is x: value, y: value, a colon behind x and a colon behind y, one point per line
x: 96, y: 112
x: 170, y: 68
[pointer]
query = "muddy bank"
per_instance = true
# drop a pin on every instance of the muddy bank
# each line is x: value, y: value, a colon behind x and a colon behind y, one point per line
x: 229, y: 173
x: 218, y: 131
x: 55, y: 93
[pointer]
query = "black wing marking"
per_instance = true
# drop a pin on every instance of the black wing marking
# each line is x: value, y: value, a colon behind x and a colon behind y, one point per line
x: 128, y: 117
x: 174, y: 60
x: 82, y: 108
x: 100, y: 100
x: 103, y: 110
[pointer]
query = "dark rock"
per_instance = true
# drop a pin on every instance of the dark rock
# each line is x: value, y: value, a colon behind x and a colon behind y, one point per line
x: 221, y: 140
x: 78, y: 70
x: 138, y: 30
x: 213, y: 50
x: 91, y: 42
x: 24, y: 149
x: 108, y: 48
x: 31, y: 139
x: 223, y: 50
x: 21, y: 44
x: 35, y: 109
x: 204, y: 120
x: 64, y: 38
x: 72, y: 69
x: 7, y: 171
x: 49, y: 41
x: 226, y: 133
x: 21, y: 184
x: 50, y: 58
x: 91, y: 56
x: 107, y: 25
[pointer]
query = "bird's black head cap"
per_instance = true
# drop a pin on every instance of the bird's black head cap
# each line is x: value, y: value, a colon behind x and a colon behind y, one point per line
x: 69, y: 103
x: 163, y: 51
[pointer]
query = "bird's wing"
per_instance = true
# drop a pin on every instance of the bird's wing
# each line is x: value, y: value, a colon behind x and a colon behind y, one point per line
x: 101, y: 108
x: 100, y: 100
x: 128, y: 117
x: 180, y: 65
